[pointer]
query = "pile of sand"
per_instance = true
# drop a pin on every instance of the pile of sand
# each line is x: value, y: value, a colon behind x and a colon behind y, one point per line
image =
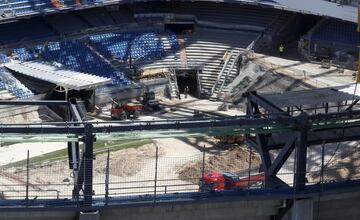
x: 235, y: 161
x: 127, y: 162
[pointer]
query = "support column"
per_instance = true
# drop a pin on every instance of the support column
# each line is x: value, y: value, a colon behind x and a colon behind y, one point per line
x: 301, y: 152
x: 302, y: 210
x: 88, y: 164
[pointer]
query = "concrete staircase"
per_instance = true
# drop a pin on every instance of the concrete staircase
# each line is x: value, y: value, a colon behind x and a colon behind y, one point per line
x: 226, y: 76
x: 206, y: 48
x: 173, y: 86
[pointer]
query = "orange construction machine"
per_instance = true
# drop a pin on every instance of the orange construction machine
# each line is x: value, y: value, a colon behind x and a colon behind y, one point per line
x: 214, y: 181
x: 124, y: 111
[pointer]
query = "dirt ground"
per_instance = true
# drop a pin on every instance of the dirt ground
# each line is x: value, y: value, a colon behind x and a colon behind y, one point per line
x: 343, y: 166
x: 179, y: 159
x: 236, y: 160
x: 127, y: 162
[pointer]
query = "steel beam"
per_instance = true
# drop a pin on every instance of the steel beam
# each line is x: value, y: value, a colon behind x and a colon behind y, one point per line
x: 301, y: 151
x: 352, y: 105
x: 75, y: 113
x: 88, y: 164
x: 71, y: 128
x: 33, y: 102
x: 282, y: 156
x: 260, y: 138
x: 260, y: 101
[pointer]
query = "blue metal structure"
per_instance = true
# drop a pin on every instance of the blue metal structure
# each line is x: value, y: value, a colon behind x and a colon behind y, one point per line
x: 264, y: 126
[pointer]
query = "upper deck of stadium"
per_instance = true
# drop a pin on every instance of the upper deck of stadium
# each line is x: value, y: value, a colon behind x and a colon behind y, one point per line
x: 15, y: 9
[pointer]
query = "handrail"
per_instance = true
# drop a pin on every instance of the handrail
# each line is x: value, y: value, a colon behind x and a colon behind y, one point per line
x: 229, y: 72
x: 222, y: 71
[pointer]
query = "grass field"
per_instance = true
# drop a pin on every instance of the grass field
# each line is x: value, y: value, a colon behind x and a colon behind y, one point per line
x: 99, y: 148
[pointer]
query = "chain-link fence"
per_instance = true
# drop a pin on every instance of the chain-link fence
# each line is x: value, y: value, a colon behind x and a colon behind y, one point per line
x: 151, y: 172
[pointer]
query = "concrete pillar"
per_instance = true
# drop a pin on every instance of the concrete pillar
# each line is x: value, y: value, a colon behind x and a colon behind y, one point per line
x: 303, y: 209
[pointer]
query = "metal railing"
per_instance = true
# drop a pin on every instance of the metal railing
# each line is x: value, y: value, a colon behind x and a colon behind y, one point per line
x: 121, y: 175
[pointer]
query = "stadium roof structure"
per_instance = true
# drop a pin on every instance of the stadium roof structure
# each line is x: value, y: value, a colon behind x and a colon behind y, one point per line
x: 314, y: 96
x: 58, y: 75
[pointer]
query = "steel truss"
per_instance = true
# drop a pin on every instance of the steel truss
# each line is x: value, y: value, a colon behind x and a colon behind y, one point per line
x: 307, y: 130
x: 266, y: 127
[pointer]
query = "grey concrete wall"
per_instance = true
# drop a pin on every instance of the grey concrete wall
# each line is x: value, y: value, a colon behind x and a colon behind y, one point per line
x: 340, y: 206
x: 38, y: 215
x: 245, y: 210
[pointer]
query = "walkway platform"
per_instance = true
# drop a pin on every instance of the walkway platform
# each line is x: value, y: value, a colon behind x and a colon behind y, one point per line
x: 58, y: 75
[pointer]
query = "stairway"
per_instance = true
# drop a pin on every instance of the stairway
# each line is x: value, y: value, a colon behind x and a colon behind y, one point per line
x: 225, y: 76
x: 173, y: 86
x: 206, y: 48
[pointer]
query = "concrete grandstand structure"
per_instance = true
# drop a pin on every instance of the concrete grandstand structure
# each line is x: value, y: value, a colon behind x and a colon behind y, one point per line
x: 66, y: 64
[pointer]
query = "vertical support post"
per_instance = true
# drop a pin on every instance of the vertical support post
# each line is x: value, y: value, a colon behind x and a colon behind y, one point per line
x: 156, y: 167
x: 107, y: 172
x: 301, y: 152
x: 321, y: 179
x: 254, y: 111
x: 249, y: 172
x: 326, y: 108
x: 27, y: 177
x: 94, y: 99
x: 88, y: 164
x: 322, y: 163
x: 203, y: 164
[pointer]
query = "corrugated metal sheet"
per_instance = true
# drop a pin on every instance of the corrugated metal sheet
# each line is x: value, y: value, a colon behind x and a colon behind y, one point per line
x: 313, y: 96
x: 58, y: 75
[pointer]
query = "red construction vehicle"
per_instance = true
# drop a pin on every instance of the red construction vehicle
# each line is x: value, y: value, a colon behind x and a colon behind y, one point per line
x: 123, y: 111
x: 214, y: 181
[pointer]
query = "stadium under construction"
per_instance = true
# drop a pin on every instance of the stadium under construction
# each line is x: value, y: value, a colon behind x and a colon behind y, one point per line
x: 179, y: 109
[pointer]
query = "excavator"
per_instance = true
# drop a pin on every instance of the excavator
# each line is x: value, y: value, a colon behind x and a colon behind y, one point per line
x: 219, y: 181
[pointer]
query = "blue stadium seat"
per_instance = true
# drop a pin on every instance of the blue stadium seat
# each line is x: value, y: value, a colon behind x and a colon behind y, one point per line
x: 78, y: 57
x: 3, y: 58
x: 174, y: 44
x: 14, y: 86
x: 138, y: 45
x: 24, y: 54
